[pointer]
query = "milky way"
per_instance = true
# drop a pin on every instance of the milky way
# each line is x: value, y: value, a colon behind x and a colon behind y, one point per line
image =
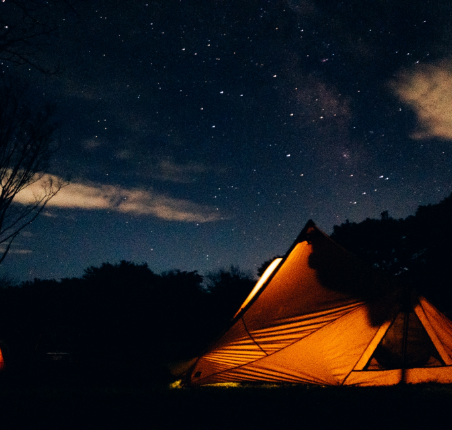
x: 196, y: 136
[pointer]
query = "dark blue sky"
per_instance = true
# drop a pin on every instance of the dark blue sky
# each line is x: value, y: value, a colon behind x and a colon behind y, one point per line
x: 199, y: 134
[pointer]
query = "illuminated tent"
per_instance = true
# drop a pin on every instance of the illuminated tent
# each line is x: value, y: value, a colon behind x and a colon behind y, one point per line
x: 319, y: 316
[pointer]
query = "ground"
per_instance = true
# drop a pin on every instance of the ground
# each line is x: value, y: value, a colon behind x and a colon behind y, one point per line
x: 77, y: 404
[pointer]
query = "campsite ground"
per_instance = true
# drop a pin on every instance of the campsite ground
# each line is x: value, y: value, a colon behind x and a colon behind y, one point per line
x: 76, y: 403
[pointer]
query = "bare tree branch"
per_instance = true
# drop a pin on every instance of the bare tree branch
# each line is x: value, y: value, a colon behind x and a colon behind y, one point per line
x: 27, y: 27
x: 26, y: 145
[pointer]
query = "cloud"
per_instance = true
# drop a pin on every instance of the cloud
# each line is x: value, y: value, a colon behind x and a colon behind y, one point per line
x: 428, y: 91
x: 179, y: 173
x: 91, y: 143
x: 15, y: 251
x: 303, y: 7
x: 124, y: 154
x: 136, y: 201
x: 48, y: 214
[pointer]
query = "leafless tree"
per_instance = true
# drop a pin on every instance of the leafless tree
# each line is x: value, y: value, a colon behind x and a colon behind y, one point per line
x: 28, y: 26
x: 27, y: 142
x: 27, y: 131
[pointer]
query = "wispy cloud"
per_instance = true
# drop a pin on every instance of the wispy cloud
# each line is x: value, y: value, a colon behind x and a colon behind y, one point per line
x: 168, y: 170
x: 95, y: 196
x: 428, y: 91
x: 307, y: 8
x: 15, y: 251
x: 91, y: 143
x: 124, y: 154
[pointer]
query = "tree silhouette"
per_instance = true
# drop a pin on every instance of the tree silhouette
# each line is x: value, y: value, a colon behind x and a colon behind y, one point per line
x: 377, y: 242
x: 26, y: 146
x: 415, y: 249
x: 116, y: 303
x: 180, y: 310
x: 27, y: 132
x: 228, y: 289
x: 26, y: 26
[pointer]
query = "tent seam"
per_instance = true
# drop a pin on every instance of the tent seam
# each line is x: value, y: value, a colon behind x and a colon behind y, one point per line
x: 287, y: 346
x: 353, y: 368
x: 252, y: 338
x: 374, y: 336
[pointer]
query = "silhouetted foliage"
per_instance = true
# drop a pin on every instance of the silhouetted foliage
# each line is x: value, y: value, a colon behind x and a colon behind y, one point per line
x: 26, y: 26
x: 122, y: 323
x: 179, y: 312
x: 228, y: 289
x: 7, y: 281
x: 120, y: 319
x: 416, y: 249
x: 115, y: 304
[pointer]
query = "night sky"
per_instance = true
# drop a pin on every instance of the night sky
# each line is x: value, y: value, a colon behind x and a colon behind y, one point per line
x: 200, y: 134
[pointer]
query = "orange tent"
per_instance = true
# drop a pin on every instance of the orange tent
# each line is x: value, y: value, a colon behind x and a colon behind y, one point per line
x: 320, y: 316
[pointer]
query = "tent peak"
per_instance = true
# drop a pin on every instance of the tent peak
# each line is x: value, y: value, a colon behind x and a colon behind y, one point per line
x: 320, y: 316
x: 306, y: 234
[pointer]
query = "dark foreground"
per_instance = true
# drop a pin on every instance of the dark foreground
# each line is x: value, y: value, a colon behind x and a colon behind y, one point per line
x: 58, y: 402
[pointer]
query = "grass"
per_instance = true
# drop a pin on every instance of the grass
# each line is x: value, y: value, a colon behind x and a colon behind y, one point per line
x: 80, y: 405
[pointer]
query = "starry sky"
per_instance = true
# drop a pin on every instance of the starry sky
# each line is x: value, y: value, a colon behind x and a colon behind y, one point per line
x: 200, y: 134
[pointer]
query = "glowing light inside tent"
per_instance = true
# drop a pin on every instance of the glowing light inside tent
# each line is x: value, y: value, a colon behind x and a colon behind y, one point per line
x: 2, y: 363
x: 268, y: 271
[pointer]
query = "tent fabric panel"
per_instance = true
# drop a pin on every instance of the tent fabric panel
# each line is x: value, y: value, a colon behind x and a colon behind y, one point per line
x: 279, y: 371
x: 294, y: 290
x: 372, y: 378
x: 235, y: 354
x: 236, y: 333
x: 326, y: 314
x: 322, y: 357
x: 274, y: 338
x: 234, y: 349
x: 252, y: 373
x: 234, y: 357
x: 373, y: 345
x: 243, y: 349
x: 207, y: 368
x: 441, y: 374
x: 438, y: 327
x: 356, y: 378
x: 247, y: 374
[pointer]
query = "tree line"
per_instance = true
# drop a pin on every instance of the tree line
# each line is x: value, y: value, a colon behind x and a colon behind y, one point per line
x: 118, y: 317
x: 417, y: 249
x: 122, y: 318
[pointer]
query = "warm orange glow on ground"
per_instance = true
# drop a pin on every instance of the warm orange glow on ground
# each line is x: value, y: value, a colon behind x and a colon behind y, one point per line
x: 268, y: 271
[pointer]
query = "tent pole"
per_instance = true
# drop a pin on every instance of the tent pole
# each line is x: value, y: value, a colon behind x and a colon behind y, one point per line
x: 406, y: 311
